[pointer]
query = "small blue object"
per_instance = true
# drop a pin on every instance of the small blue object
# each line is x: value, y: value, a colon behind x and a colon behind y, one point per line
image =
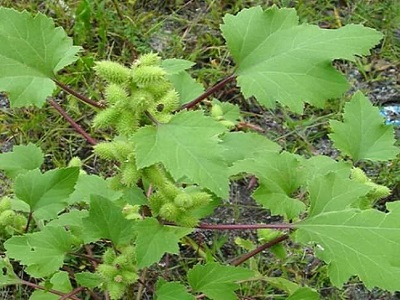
x: 391, y: 113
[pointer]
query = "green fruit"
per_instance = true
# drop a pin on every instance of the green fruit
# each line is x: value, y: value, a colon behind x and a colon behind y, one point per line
x: 169, y: 211
x: 5, y: 204
x: 358, y: 175
x: 183, y: 200
x: 7, y: 217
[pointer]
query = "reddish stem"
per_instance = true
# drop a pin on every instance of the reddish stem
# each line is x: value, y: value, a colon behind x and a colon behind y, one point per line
x: 78, y: 95
x: 259, y: 249
x: 73, y: 123
x: 74, y: 292
x: 243, y: 226
x: 38, y: 287
x: 207, y: 93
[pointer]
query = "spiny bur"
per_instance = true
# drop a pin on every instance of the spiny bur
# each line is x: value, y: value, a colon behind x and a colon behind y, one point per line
x: 112, y: 72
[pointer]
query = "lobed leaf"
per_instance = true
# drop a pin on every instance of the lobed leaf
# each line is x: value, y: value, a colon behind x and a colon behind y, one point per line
x: 172, y: 291
x: 32, y: 51
x: 188, y: 147
x: 46, y: 194
x: 217, y: 281
x: 357, y: 243
x: 279, y: 174
x: 154, y: 240
x: 106, y: 221
x: 42, y: 252
x: 363, y: 134
x: 279, y: 60
x: 21, y: 159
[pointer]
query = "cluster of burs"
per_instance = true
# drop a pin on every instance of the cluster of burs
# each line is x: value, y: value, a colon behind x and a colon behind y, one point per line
x: 11, y: 222
x: 132, y: 95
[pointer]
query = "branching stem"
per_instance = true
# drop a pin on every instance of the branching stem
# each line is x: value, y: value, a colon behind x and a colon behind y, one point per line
x: 243, y: 226
x: 72, y: 122
x: 55, y: 292
x: 207, y: 93
x: 259, y: 249
x: 78, y: 95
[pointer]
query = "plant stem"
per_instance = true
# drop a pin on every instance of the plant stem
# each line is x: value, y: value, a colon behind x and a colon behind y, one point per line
x: 74, y: 292
x: 152, y: 119
x: 243, y: 226
x: 259, y: 249
x: 29, y: 221
x: 73, y: 123
x: 38, y: 287
x: 207, y: 93
x: 78, y: 95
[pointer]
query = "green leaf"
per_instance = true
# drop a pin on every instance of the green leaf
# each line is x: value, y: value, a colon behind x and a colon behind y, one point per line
x: 217, y: 281
x: 363, y: 134
x: 59, y: 282
x: 172, y: 291
x: 279, y: 175
x: 92, y: 185
x: 106, y: 221
x: 154, y: 240
x: 280, y: 60
x: 72, y: 220
x: 42, y: 252
x: 333, y: 193
x: 187, y: 88
x: 188, y: 146
x: 46, y: 194
x: 88, y: 279
x: 357, y: 243
x: 21, y: 159
x: 304, y: 293
x: 175, y: 65
x: 322, y: 165
x: 240, y: 146
x: 230, y: 112
x: 295, y: 291
x: 32, y: 51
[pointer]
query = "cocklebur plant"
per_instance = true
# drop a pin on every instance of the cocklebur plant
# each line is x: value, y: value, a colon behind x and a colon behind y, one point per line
x: 175, y: 163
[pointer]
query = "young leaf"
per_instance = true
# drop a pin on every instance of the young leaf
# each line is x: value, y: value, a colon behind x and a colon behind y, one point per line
x: 363, y: 134
x: 46, y: 194
x: 280, y: 60
x: 279, y: 176
x: 42, y: 252
x: 32, y: 51
x: 172, y: 291
x: 21, y: 159
x: 333, y: 193
x: 59, y: 282
x: 217, y: 281
x: 187, y: 88
x: 229, y: 111
x: 188, y: 147
x: 357, y: 243
x: 154, y: 240
x: 106, y: 221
